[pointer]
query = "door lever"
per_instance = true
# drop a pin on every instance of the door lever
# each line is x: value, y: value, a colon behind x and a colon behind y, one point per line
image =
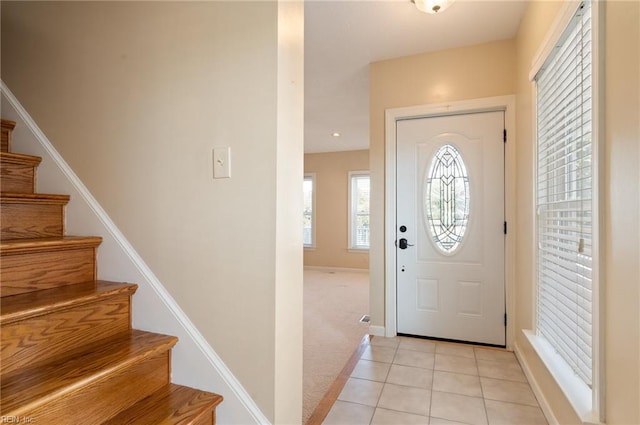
x: 403, y: 244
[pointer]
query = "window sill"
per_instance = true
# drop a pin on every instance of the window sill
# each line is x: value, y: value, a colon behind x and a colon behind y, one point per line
x: 309, y: 247
x: 576, y: 391
x: 360, y: 250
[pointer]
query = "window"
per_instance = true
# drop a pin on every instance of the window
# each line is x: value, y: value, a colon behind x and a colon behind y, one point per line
x: 308, y: 216
x: 565, y: 222
x: 359, y: 210
x: 446, y: 199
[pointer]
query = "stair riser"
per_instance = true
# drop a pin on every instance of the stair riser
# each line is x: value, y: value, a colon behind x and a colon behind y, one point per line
x: 17, y: 178
x: 32, y: 341
x: 29, y: 221
x: 98, y: 401
x: 30, y: 272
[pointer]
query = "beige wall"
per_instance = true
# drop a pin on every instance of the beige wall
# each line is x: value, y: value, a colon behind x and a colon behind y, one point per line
x: 134, y: 95
x: 332, y: 209
x: 473, y: 72
x: 620, y: 183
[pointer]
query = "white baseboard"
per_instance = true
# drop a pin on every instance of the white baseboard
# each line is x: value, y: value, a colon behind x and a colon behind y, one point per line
x: 542, y: 400
x: 194, y: 361
x: 376, y: 330
x: 335, y: 269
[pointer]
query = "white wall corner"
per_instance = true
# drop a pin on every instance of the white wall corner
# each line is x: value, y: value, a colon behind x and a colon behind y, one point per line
x: 194, y: 362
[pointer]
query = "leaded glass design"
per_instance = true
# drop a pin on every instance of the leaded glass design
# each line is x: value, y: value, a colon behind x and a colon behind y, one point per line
x: 446, y: 199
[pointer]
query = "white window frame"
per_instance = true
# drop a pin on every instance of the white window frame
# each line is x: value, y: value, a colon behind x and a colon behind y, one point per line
x: 312, y: 177
x: 587, y: 403
x: 352, y: 211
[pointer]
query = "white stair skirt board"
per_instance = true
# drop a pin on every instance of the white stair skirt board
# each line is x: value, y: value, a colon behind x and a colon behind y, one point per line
x: 194, y: 362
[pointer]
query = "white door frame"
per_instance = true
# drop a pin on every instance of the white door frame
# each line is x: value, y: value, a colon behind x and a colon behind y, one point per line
x: 500, y: 103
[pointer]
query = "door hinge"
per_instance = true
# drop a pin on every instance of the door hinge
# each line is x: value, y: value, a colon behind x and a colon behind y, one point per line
x: 504, y: 135
x: 505, y: 319
x: 505, y: 227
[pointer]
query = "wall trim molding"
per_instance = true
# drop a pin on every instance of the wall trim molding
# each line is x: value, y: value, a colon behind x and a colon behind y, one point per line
x: 178, y: 314
x: 377, y: 330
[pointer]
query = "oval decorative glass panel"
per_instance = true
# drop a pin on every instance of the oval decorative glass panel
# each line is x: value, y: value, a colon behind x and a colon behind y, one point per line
x: 446, y: 199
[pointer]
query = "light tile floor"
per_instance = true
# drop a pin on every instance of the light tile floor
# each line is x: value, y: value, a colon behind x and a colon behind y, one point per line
x: 415, y: 381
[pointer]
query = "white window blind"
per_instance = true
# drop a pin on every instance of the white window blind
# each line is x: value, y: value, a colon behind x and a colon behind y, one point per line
x: 564, y: 196
x: 308, y: 214
x: 359, y: 210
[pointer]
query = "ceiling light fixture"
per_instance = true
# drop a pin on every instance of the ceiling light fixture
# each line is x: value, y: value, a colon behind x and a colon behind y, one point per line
x: 432, y: 6
x: 336, y: 134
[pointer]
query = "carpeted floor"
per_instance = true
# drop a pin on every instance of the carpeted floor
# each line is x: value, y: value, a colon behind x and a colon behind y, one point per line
x: 334, y: 302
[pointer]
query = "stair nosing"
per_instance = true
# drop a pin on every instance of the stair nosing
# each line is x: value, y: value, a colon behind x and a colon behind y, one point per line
x: 7, y: 123
x: 33, y: 198
x: 19, y: 159
x: 21, y: 246
x: 164, y: 343
x: 116, y: 289
x: 208, y: 406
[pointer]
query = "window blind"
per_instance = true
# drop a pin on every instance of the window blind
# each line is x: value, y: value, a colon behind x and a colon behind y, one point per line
x: 564, y: 188
x: 360, y: 210
x: 307, y: 213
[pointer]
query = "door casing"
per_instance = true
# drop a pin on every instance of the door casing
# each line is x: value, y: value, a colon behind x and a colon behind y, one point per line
x: 500, y: 103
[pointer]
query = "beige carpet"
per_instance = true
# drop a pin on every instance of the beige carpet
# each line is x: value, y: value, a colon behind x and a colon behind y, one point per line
x: 334, y: 302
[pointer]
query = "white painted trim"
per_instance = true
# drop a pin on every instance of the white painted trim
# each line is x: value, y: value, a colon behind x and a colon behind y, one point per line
x: 336, y: 269
x: 598, y: 151
x: 535, y: 386
x: 567, y: 10
x: 238, y: 391
x: 498, y: 103
x: 576, y: 391
x: 377, y: 330
x: 358, y: 250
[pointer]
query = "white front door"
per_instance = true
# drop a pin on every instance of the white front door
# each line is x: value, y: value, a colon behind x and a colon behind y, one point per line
x: 450, y: 227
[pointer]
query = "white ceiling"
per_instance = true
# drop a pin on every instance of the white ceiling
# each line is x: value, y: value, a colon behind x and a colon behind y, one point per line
x: 343, y: 37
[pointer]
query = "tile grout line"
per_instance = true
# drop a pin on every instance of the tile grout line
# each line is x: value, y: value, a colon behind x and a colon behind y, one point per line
x: 384, y: 383
x: 484, y: 400
x: 433, y: 377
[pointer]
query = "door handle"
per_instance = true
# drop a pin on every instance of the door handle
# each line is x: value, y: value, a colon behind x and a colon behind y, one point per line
x: 403, y: 244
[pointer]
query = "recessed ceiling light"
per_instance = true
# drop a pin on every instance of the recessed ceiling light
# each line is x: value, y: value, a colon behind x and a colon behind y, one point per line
x: 336, y: 134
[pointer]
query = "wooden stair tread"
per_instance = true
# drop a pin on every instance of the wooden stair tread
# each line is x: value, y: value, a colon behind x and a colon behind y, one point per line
x: 21, y: 246
x: 7, y: 124
x: 28, y: 388
x: 19, y: 159
x: 32, y: 304
x: 171, y: 405
x: 34, y: 198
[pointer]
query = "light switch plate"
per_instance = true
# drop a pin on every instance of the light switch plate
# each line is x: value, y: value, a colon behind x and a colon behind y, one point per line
x: 221, y: 162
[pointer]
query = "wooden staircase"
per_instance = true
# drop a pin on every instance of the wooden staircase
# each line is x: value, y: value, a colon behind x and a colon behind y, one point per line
x: 69, y: 355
